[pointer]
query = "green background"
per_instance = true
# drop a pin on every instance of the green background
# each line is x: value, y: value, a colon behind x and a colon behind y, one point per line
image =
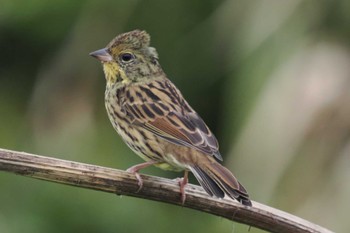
x: 270, y: 78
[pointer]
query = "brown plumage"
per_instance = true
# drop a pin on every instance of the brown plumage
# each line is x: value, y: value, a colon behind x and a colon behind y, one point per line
x: 156, y: 122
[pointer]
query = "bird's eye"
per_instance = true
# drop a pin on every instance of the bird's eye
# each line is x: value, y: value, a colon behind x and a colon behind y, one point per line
x: 127, y: 57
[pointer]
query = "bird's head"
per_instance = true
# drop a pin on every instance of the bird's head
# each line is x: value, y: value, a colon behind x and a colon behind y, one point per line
x: 128, y: 58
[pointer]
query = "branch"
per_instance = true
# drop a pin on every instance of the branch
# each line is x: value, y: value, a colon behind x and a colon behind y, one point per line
x: 154, y: 188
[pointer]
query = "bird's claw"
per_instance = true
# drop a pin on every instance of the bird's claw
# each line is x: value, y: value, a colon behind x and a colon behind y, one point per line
x: 138, y: 177
x: 182, y: 183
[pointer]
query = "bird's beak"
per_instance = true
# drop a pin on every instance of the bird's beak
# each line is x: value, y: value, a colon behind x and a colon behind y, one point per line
x: 102, y: 55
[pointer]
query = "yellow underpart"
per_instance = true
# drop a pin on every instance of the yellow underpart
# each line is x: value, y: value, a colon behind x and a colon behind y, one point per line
x: 166, y: 166
x: 112, y: 71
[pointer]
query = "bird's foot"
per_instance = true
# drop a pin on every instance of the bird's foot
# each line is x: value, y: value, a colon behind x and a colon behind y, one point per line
x: 134, y: 170
x: 182, y: 183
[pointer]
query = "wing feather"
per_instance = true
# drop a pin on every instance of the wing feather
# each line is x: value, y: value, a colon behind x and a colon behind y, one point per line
x: 170, y: 118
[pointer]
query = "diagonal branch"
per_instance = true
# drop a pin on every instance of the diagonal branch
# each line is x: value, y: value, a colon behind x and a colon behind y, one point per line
x: 154, y: 188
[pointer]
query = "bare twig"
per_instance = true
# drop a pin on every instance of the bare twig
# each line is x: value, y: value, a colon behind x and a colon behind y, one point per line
x: 154, y: 188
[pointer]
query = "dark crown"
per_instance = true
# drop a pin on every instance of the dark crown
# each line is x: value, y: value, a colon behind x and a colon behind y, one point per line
x: 135, y: 39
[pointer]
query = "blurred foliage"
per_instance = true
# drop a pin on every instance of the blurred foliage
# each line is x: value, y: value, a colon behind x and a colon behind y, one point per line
x: 270, y: 78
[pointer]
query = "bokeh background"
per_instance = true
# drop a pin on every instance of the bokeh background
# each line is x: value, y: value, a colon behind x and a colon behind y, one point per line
x: 270, y: 78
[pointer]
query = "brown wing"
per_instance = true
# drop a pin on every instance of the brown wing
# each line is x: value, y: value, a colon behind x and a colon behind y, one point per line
x: 160, y: 108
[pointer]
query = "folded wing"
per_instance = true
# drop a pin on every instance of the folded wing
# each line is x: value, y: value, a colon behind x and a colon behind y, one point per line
x: 164, y: 112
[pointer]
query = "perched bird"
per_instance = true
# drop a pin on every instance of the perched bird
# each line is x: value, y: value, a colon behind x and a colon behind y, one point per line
x: 156, y: 122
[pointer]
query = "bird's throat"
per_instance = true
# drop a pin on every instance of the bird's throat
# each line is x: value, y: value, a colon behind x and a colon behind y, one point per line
x: 114, y: 74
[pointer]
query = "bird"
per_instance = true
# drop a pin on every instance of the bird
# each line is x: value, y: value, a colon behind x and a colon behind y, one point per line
x: 153, y: 118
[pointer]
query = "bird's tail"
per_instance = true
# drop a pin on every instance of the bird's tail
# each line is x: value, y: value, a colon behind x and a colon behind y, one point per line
x: 218, y: 181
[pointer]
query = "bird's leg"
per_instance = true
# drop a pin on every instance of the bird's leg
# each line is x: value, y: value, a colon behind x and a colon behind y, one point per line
x: 183, y: 182
x: 134, y: 170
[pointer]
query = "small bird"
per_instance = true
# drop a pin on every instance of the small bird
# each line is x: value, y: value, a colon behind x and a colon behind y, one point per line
x: 156, y: 122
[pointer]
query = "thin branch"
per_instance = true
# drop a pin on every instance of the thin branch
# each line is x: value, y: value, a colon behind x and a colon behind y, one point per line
x: 154, y: 188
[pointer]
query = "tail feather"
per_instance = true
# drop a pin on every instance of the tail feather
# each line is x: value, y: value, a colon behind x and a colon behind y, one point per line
x: 218, y: 181
x: 207, y: 182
